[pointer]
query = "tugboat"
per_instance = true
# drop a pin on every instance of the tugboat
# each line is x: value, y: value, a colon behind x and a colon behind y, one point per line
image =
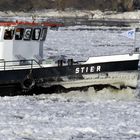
x: 24, y: 70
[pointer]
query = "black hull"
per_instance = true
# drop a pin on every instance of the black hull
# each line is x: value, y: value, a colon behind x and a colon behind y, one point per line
x: 12, y: 82
x: 12, y: 76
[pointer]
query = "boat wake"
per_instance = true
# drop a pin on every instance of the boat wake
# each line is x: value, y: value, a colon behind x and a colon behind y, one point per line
x: 85, y: 93
x: 91, y: 94
x: 115, y: 83
x: 60, y: 89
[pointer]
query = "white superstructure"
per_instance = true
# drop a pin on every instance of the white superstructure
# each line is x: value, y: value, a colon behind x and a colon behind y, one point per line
x: 21, y: 41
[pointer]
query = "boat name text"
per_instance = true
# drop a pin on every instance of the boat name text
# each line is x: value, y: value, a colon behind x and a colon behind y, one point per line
x: 90, y: 69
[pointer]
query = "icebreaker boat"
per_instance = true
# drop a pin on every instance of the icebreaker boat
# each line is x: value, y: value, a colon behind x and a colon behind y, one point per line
x: 24, y: 68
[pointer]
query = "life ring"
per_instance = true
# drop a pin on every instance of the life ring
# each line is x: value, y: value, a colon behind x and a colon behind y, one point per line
x: 28, y: 83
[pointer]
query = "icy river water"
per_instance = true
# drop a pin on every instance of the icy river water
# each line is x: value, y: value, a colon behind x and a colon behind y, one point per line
x: 90, y: 115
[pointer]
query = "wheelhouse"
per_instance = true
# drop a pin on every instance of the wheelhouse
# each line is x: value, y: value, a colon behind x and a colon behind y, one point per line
x: 23, y: 40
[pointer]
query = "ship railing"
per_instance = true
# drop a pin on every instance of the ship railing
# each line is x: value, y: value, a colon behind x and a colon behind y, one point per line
x: 19, y: 64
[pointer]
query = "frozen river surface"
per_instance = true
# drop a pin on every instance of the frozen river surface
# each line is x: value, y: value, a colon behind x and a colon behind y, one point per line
x: 104, y: 115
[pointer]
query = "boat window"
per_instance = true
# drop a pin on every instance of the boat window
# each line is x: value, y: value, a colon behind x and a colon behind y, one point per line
x: 44, y: 34
x: 19, y: 34
x: 36, y: 34
x: 8, y: 34
x: 27, y: 34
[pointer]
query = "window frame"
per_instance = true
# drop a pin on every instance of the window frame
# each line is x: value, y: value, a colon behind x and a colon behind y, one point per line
x: 30, y: 35
x: 21, y: 36
x: 43, y: 34
x: 12, y: 30
x: 33, y: 34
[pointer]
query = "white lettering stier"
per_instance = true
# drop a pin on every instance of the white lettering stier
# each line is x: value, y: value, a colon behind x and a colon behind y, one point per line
x: 77, y: 70
x: 92, y: 69
x: 98, y: 68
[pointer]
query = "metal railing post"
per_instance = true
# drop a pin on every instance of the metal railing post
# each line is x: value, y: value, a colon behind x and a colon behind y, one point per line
x: 31, y: 63
x: 4, y: 65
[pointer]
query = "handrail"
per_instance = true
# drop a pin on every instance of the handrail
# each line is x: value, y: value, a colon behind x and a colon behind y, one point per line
x: 21, y: 63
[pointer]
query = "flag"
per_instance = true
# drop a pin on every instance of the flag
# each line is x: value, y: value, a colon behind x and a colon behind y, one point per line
x: 129, y: 34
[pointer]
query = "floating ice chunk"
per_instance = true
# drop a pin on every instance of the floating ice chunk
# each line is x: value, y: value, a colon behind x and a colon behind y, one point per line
x: 133, y: 132
x: 88, y: 129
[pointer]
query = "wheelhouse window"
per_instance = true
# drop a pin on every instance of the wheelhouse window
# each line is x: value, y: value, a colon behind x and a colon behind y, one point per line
x: 44, y: 34
x: 36, y: 34
x: 8, y: 34
x: 27, y: 34
x: 19, y: 33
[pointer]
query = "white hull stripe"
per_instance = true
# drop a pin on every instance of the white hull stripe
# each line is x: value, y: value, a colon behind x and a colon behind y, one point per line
x: 113, y: 58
